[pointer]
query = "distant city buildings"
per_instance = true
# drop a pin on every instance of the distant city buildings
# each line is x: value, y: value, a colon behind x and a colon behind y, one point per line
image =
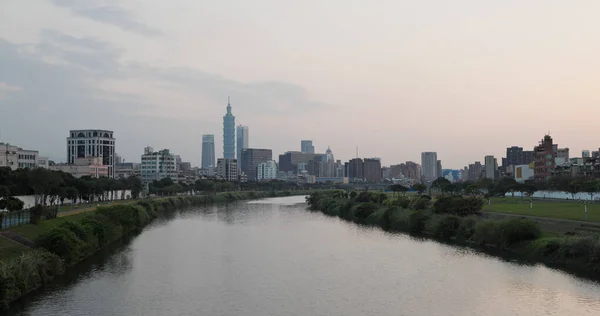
x: 16, y: 157
x: 158, y: 165
x: 128, y: 169
x: 306, y: 146
x: 372, y: 170
x: 90, y: 166
x: 229, y: 133
x: 227, y: 169
x: 515, y: 155
x: 475, y: 172
x: 429, y: 166
x: 208, y: 151
x: 251, y: 157
x: 242, y: 137
x: 92, y: 143
x: 491, y: 167
x: 292, y: 161
x: 266, y: 171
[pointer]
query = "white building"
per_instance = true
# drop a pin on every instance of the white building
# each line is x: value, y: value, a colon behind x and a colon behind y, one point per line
x: 266, y: 170
x: 92, y: 143
x: 523, y: 172
x: 18, y: 158
x: 227, y: 169
x: 491, y: 167
x: 158, y: 165
x: 429, y: 166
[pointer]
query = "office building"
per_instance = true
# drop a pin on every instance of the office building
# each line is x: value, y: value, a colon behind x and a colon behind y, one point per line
x: 544, y: 159
x: 229, y: 134
x: 227, y: 169
x: 475, y: 172
x: 158, y: 165
x: 515, y: 155
x: 242, y: 141
x: 266, y: 171
x: 18, y: 158
x: 438, y: 171
x: 561, y: 156
x: 128, y: 169
x: 208, y: 151
x: 355, y: 169
x: 429, y: 166
x: 491, y: 167
x: 92, y: 143
x: 585, y: 154
x: 292, y: 161
x: 251, y: 157
x: 306, y: 146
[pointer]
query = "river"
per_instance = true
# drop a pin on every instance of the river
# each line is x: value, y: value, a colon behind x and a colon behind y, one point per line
x: 272, y: 257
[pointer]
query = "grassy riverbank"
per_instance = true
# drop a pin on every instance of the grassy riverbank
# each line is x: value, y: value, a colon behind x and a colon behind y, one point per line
x: 560, y: 209
x: 459, y: 219
x: 63, y: 242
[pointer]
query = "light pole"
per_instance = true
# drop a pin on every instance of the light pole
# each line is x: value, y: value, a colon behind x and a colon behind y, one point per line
x: 585, y: 210
x: 531, y: 206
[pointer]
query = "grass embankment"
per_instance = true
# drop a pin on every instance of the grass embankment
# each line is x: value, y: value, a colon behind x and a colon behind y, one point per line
x: 65, y: 241
x: 571, y: 210
x: 458, y: 219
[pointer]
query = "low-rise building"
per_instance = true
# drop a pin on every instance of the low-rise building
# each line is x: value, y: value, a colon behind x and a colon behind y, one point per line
x: 335, y: 180
x: 18, y: 158
x: 90, y: 166
x: 523, y: 173
x: 128, y: 169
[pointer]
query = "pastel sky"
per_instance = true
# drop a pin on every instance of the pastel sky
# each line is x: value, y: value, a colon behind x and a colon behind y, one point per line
x: 465, y: 78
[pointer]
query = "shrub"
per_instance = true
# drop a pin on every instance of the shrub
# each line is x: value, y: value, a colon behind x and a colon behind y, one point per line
x: 97, y: 228
x: 376, y: 218
x: 416, y: 221
x: 506, y: 233
x: 421, y: 203
x: 466, y: 230
x: 445, y: 226
x: 458, y: 205
x: 63, y: 243
x: 403, y: 202
x: 396, y: 218
x: 363, y: 210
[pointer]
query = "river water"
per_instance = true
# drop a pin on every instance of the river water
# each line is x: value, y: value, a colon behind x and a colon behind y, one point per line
x: 272, y: 257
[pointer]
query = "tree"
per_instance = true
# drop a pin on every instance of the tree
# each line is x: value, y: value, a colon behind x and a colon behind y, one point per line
x: 11, y: 204
x: 591, y: 187
x: 441, y: 183
x: 398, y: 188
x: 504, y: 185
x: 574, y: 186
x: 419, y: 187
x: 42, y: 181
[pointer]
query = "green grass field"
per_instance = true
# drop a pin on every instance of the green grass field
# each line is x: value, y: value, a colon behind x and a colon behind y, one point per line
x: 571, y: 210
x: 10, y: 248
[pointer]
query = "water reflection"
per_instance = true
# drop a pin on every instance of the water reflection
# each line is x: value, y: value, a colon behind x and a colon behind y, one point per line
x: 278, y: 259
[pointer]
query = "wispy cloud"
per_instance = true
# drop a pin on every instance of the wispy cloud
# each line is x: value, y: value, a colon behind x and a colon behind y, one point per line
x: 109, y: 13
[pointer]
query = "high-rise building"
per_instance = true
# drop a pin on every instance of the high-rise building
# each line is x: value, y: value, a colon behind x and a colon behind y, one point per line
x: 266, y: 171
x: 229, y: 133
x: 438, y: 170
x: 474, y: 171
x: 251, y: 157
x: 158, y: 165
x: 227, y: 169
x: 92, y: 143
x: 561, y: 156
x: 429, y: 166
x: 306, y: 146
x: 544, y: 159
x: 491, y: 167
x: 372, y: 170
x: 515, y: 156
x: 585, y: 154
x: 242, y: 140
x: 208, y: 151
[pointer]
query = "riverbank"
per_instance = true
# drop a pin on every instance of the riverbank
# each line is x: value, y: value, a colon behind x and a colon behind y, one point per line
x: 63, y: 242
x: 459, y: 220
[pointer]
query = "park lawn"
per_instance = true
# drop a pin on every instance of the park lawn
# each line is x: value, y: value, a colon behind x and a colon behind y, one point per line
x: 570, y: 210
x: 10, y: 248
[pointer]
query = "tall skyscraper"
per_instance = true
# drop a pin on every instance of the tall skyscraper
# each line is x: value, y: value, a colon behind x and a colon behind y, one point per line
x: 429, y: 166
x: 89, y: 143
x: 306, y: 146
x: 229, y: 133
x: 491, y: 167
x: 242, y: 141
x: 208, y: 151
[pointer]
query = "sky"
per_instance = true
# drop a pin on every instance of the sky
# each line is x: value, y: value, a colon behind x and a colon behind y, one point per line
x: 464, y: 78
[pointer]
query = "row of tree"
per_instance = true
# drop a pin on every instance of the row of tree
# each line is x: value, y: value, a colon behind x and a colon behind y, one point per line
x: 54, y: 187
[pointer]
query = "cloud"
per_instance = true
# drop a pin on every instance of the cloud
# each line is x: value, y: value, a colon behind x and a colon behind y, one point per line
x: 80, y: 82
x: 109, y: 14
x: 6, y: 88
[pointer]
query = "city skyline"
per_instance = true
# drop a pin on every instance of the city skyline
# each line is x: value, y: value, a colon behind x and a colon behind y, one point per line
x: 473, y: 80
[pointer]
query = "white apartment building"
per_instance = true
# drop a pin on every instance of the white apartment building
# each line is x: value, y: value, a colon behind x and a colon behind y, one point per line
x: 18, y: 158
x: 429, y: 166
x: 266, y: 171
x: 158, y: 165
x: 227, y: 169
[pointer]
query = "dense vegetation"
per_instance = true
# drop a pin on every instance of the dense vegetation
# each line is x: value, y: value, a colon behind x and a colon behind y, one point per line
x: 458, y: 218
x: 71, y: 241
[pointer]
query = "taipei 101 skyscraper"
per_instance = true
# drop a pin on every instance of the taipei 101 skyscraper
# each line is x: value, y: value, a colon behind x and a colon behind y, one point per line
x: 229, y: 133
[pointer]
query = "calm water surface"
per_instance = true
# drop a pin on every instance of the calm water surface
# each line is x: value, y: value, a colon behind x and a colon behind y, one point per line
x: 272, y: 257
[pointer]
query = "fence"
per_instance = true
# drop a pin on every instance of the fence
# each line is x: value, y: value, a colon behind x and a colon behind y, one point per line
x: 14, y: 219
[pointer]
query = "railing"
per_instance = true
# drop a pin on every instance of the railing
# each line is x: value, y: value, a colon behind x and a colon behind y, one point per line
x: 14, y: 219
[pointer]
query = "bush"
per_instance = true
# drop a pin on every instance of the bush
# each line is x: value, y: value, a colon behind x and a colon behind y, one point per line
x: 403, y: 202
x: 376, y: 218
x: 421, y: 203
x: 395, y: 218
x: 445, y: 226
x: 506, y: 233
x: 363, y: 210
x: 458, y: 205
x: 63, y: 243
x: 466, y: 230
x: 416, y: 221
x: 97, y: 228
